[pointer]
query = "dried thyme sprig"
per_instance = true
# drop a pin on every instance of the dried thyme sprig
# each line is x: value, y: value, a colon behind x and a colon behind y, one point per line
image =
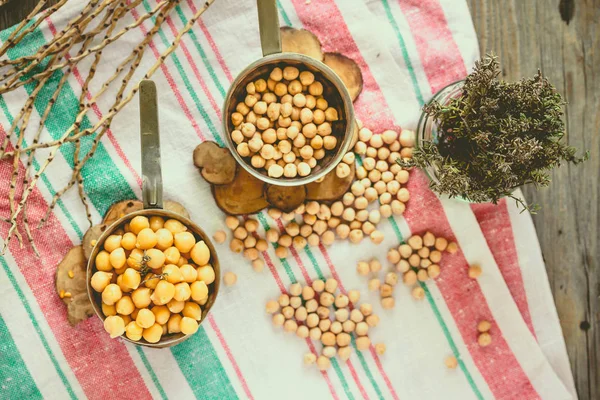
x: 496, y: 136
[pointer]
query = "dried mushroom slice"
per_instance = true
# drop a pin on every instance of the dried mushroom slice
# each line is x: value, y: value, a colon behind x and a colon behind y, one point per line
x: 90, y: 237
x: 216, y: 164
x: 79, y: 309
x: 121, y: 209
x: 74, y: 264
x: 245, y: 195
x: 176, y: 207
x: 348, y: 71
x: 285, y: 198
x: 331, y: 188
x: 300, y: 41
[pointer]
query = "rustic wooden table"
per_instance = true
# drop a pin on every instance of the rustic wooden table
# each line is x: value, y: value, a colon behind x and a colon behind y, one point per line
x: 562, y: 38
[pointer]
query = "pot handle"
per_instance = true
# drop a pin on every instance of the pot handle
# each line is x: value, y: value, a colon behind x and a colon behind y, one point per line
x: 152, y: 187
x: 268, y: 22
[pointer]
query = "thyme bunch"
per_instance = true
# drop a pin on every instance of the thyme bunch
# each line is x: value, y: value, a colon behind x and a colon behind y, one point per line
x: 144, y: 270
x: 496, y: 136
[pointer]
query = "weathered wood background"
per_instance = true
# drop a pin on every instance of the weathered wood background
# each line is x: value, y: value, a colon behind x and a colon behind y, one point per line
x: 562, y: 38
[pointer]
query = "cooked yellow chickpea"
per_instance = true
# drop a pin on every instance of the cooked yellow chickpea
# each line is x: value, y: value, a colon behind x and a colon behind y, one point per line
x: 200, y: 253
x: 161, y: 314
x: 103, y: 261
x: 153, y: 333
x: 188, y: 326
x: 124, y: 305
x: 146, y: 239
x: 131, y: 278
x: 173, y: 274
x: 173, y: 323
x: 112, y: 242
x: 198, y: 290
x: 157, y: 222
x: 138, y: 223
x: 133, y: 331
x: 182, y: 291
x: 128, y: 241
x: 175, y: 226
x: 108, y: 310
x: 151, y: 281
x: 172, y: 255
x: 206, y: 274
x: 184, y: 241
x: 188, y: 273
x: 141, y: 297
x: 192, y: 310
x: 111, y: 294
x: 114, y: 325
x: 100, y: 280
x: 163, y: 293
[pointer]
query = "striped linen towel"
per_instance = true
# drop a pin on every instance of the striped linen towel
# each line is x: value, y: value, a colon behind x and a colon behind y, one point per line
x: 407, y: 49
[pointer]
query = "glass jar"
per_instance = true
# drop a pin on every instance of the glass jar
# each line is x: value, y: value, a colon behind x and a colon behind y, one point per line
x: 427, y: 129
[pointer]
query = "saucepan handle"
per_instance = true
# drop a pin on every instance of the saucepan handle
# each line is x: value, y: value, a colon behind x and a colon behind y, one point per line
x: 268, y: 22
x: 152, y: 188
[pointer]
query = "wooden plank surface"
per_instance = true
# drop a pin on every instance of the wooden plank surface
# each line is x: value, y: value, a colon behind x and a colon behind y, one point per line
x: 562, y: 38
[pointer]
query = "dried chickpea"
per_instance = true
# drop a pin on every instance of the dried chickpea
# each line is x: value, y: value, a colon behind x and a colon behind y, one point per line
x: 356, y: 236
x: 232, y: 222
x: 342, y: 231
x: 474, y: 271
x: 484, y: 326
x: 410, y: 278
x: 484, y: 339
x: 452, y: 248
x: 418, y: 293
x: 422, y: 275
x: 229, y: 278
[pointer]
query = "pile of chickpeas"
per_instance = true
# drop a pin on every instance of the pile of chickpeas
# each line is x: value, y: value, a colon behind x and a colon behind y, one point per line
x: 315, y: 311
x: 284, y: 124
x: 154, y: 278
x: 417, y: 260
x: 379, y: 179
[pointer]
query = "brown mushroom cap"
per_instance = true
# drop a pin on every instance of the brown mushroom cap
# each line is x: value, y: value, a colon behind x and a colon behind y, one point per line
x: 245, y: 195
x: 79, y: 309
x: 216, y: 164
x: 331, y: 188
x: 176, y: 207
x: 92, y: 234
x: 300, y: 41
x: 120, y: 209
x: 348, y: 71
x: 285, y: 198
